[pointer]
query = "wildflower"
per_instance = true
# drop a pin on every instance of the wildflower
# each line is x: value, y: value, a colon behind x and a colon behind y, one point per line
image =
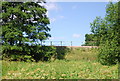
x: 94, y: 63
x: 22, y: 69
x: 53, y: 78
x: 42, y: 71
x: 61, y: 78
x: 42, y: 77
x: 9, y: 73
x: 79, y: 76
x: 63, y: 75
x: 37, y: 70
x: 29, y: 77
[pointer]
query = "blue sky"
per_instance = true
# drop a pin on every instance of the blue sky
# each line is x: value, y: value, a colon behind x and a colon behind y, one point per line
x: 70, y: 21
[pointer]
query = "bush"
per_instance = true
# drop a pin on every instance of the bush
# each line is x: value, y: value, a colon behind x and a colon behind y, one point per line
x: 43, y: 53
x: 28, y: 53
x: 16, y: 53
x: 33, y: 53
x: 108, y: 53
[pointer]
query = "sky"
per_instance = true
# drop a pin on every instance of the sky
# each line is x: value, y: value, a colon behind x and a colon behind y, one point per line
x: 70, y: 21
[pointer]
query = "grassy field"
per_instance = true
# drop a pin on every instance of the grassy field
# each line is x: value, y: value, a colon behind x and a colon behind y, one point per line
x: 80, y: 63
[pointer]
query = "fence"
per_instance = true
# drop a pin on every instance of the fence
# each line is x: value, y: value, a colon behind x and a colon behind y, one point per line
x: 62, y: 43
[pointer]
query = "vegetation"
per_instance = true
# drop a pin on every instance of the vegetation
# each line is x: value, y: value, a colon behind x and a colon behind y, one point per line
x: 61, y: 52
x: 91, y: 40
x: 24, y: 25
x: 106, y: 33
x: 80, y: 63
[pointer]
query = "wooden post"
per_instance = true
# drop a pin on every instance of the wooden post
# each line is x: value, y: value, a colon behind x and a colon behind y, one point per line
x: 51, y: 43
x: 61, y: 43
x: 71, y: 45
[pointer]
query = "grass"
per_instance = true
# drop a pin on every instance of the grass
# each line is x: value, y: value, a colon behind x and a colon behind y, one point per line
x: 87, y: 54
x: 80, y: 63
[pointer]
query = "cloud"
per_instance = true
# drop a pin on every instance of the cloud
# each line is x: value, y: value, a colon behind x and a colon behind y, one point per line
x: 51, y: 6
x: 76, y: 35
x: 52, y: 19
x: 51, y: 38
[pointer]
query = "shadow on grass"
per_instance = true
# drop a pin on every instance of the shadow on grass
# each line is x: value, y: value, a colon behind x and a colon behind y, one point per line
x: 61, y: 52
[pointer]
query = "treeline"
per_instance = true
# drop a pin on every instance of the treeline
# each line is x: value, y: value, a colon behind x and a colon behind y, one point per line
x: 91, y: 40
x: 34, y: 53
x: 106, y: 35
x: 24, y: 26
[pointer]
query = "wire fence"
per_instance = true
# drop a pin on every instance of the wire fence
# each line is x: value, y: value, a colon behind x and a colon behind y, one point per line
x: 62, y: 43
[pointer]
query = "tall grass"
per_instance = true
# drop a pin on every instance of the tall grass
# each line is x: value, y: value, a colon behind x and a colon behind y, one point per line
x: 80, y: 63
x: 87, y: 54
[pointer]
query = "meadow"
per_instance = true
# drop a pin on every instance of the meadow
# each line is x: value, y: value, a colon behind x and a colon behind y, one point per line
x: 79, y: 63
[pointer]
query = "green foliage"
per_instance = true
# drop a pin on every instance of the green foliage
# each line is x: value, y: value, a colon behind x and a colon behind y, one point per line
x: 61, y: 52
x: 43, y: 53
x: 24, y: 25
x: 16, y: 53
x: 91, y: 40
x: 29, y: 53
x: 24, y: 22
x: 108, y: 53
x: 107, y: 32
x: 34, y: 53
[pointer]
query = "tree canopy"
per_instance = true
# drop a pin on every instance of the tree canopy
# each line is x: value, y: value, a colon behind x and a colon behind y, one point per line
x: 24, y: 25
x: 107, y: 31
x: 24, y: 22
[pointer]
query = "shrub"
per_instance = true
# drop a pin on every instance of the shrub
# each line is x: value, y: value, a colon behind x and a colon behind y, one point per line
x: 28, y: 53
x: 43, y: 53
x: 108, y: 53
x: 16, y: 53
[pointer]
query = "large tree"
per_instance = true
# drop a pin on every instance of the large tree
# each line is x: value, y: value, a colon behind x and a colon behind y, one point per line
x: 23, y: 24
x: 107, y: 31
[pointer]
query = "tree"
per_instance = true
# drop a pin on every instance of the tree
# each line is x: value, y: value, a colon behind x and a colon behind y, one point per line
x: 107, y: 32
x: 23, y: 24
x: 91, y: 40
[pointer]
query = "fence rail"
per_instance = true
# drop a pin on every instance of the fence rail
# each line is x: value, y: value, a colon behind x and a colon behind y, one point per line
x: 57, y: 43
x: 63, y: 43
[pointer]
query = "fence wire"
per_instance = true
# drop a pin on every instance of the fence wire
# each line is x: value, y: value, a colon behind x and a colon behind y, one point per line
x: 62, y: 43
